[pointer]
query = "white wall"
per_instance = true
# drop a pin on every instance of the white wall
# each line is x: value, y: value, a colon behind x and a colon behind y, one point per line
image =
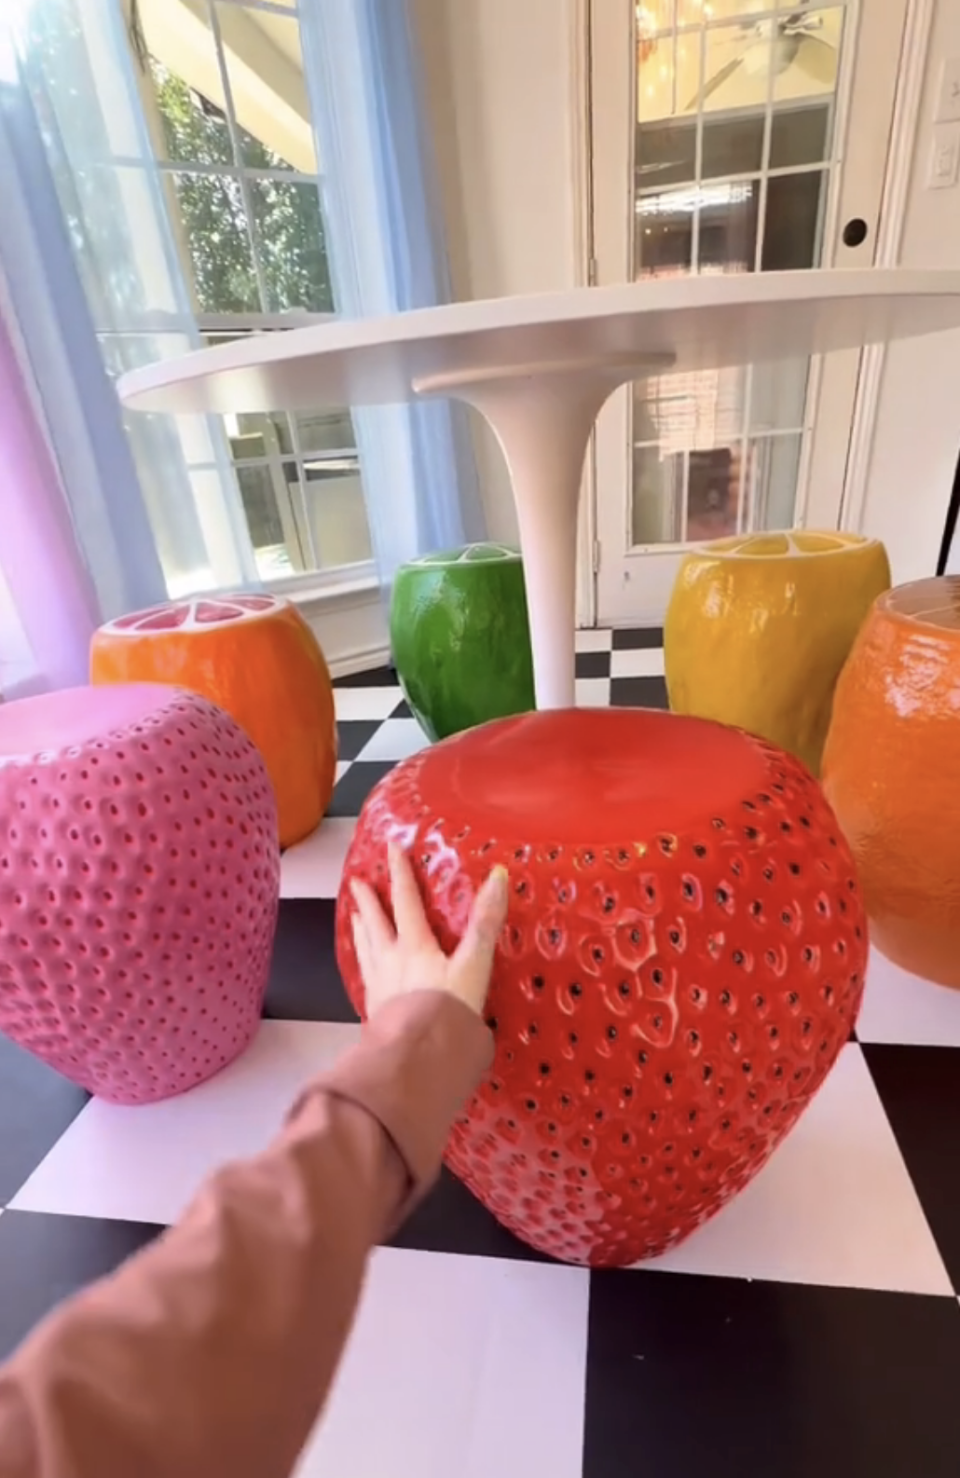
x: 500, y: 81
x: 917, y: 438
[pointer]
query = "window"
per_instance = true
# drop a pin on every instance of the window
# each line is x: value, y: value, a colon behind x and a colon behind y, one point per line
x: 734, y: 150
x: 183, y: 152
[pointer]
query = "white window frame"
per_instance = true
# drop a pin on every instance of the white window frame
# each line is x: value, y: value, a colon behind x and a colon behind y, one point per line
x: 316, y: 583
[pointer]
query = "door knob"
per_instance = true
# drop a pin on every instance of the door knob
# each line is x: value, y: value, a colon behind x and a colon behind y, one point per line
x: 855, y: 232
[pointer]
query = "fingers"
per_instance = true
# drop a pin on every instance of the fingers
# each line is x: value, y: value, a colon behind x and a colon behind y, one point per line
x: 487, y: 917
x: 361, y: 946
x: 377, y: 927
x: 410, y: 919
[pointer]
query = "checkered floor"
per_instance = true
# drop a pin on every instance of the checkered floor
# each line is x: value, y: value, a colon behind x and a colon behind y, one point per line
x: 812, y: 1330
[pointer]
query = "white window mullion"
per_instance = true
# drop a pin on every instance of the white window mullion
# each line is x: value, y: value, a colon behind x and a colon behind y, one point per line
x: 234, y: 130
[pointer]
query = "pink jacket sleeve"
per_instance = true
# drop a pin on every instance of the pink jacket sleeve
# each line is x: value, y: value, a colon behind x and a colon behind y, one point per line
x: 212, y: 1351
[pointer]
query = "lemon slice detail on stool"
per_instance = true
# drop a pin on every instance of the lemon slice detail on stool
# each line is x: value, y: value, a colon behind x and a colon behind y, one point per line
x: 760, y: 625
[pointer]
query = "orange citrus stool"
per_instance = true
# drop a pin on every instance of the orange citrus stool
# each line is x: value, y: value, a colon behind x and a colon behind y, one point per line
x: 256, y: 658
x: 891, y: 772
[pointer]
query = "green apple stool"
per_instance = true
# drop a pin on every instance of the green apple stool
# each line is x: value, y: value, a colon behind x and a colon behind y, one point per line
x: 461, y: 637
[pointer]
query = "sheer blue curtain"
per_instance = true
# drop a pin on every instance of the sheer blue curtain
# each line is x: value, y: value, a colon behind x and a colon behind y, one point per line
x: 44, y: 297
x: 96, y: 283
x: 387, y: 254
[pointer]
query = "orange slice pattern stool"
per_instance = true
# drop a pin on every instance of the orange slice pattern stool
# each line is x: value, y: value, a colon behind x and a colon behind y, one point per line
x: 256, y: 658
x: 891, y: 773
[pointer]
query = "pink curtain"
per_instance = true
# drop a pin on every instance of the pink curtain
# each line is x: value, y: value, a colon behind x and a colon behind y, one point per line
x: 48, y: 607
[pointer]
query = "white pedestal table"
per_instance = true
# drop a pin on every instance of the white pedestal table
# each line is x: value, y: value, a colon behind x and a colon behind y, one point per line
x: 539, y: 368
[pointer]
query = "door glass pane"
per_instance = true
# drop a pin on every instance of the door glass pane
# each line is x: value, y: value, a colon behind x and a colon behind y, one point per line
x: 713, y: 494
x: 732, y: 146
x: 793, y: 221
x: 658, y: 493
x: 800, y: 135
x: 773, y: 463
x: 734, y: 158
x: 778, y: 396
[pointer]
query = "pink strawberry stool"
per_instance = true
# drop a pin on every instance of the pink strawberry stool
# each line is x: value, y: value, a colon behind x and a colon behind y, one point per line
x: 139, y: 874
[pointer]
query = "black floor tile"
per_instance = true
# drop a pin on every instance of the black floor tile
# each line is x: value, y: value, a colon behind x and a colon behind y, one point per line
x: 374, y: 677
x: 453, y: 1220
x: 350, y: 793
x: 920, y: 1090
x: 36, y: 1106
x: 593, y: 664
x: 353, y: 734
x: 693, y: 1375
x: 638, y: 692
x: 305, y: 983
x: 402, y: 710
x: 43, y: 1259
x: 640, y: 636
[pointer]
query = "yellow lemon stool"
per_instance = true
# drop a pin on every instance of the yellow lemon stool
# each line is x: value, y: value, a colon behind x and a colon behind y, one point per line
x: 759, y: 626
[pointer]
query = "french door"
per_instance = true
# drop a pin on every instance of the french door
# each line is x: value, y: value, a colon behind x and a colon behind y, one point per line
x: 730, y: 136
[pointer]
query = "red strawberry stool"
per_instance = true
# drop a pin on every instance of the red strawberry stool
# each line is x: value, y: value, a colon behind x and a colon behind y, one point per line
x: 682, y: 963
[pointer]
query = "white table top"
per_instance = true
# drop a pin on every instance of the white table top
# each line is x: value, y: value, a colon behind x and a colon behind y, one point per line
x: 693, y: 323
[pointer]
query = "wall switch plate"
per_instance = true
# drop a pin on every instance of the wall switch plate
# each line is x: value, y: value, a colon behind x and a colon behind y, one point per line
x: 944, y: 166
x: 948, y: 98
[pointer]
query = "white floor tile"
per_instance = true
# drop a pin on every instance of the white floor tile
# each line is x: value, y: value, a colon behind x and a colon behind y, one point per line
x: 342, y: 768
x: 637, y: 662
x: 834, y: 1206
x: 465, y: 1366
x: 312, y: 868
x: 593, y: 692
x: 365, y: 703
x: 898, y: 1007
x: 145, y: 1164
x: 396, y: 739
x: 595, y: 640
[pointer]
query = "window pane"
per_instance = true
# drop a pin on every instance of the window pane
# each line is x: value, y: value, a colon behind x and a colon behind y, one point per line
x: 778, y: 395
x: 215, y: 227
x: 192, y: 129
x: 807, y: 54
x: 322, y: 431
x: 774, y: 465
x: 728, y: 226
x: 268, y: 494
x: 663, y: 234
x: 800, y: 136
x: 256, y: 435
x: 658, y: 491
x: 119, y: 243
x: 736, y: 69
x: 732, y: 146
x: 337, y: 514
x: 713, y: 496
x: 291, y: 245
x: 792, y: 238
x: 665, y: 154
x: 691, y: 412
x: 265, y: 67
x: 122, y: 352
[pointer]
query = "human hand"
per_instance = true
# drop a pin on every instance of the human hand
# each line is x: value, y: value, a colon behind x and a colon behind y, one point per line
x: 396, y: 960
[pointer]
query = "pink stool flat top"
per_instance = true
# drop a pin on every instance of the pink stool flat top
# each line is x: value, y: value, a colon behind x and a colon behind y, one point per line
x: 54, y: 722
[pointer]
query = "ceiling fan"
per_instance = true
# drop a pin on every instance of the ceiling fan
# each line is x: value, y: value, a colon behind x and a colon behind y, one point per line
x: 794, y: 42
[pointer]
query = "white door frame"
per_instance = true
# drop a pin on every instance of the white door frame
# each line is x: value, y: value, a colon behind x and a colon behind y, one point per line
x: 853, y: 379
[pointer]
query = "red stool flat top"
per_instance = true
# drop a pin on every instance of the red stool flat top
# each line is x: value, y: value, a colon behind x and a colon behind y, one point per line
x: 575, y: 772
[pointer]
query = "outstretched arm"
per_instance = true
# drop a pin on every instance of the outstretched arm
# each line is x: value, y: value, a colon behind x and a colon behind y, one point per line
x: 213, y: 1350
